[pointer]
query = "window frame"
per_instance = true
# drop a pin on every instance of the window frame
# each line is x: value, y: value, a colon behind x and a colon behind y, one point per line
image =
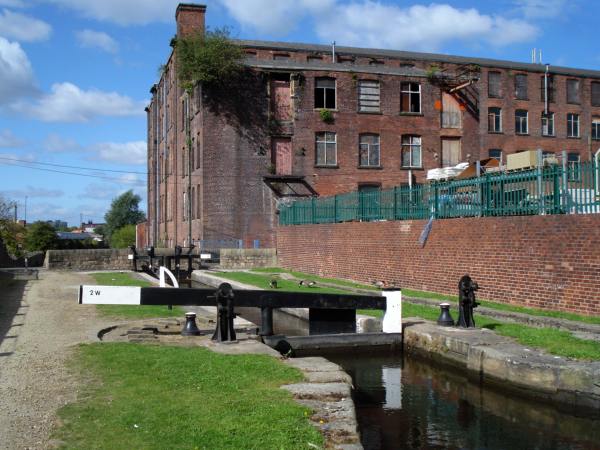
x: 360, y: 105
x: 595, y: 88
x: 410, y: 145
x: 324, y: 93
x: 595, y: 128
x: 326, y: 143
x: 549, y: 118
x: 376, y: 147
x: 499, y: 84
x: 573, y: 124
x: 519, y: 122
x: 497, y: 120
x: 409, y: 92
x: 499, y: 159
x: 521, y: 76
x: 573, y: 169
x: 576, y: 92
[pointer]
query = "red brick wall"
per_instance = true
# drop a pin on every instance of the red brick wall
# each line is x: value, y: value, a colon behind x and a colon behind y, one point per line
x: 541, y: 261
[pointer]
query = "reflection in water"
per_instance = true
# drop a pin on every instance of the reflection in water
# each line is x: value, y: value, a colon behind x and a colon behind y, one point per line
x: 408, y: 404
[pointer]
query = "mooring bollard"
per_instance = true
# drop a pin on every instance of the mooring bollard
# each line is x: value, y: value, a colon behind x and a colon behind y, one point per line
x: 266, y: 322
x: 190, y: 328
x: 466, y: 302
x: 445, y: 318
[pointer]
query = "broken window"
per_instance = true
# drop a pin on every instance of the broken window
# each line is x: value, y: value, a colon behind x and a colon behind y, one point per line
x: 494, y: 84
x: 495, y: 120
x: 411, y: 151
x: 369, y: 150
x: 595, y: 93
x: 521, y: 86
x: 410, y: 97
x: 572, y: 125
x: 521, y: 121
x: 325, y: 93
x: 326, y: 149
x: 368, y: 96
x: 548, y: 124
x: 573, y: 91
x: 550, y: 88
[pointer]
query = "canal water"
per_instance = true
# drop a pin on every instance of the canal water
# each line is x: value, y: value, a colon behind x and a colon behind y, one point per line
x: 406, y: 403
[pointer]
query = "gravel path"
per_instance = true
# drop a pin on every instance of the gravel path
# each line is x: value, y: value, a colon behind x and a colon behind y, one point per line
x: 40, y: 322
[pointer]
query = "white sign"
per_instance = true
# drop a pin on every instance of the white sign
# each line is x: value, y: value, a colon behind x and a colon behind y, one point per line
x: 205, y: 256
x: 392, y: 321
x: 109, y: 295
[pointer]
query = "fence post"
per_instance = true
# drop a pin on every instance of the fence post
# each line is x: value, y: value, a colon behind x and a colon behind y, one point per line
x: 313, y: 210
x: 395, y: 209
x: 556, y: 186
x: 436, y: 199
x: 335, y: 208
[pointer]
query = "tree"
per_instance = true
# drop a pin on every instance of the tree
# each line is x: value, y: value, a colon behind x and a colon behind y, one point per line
x: 123, y: 237
x: 11, y: 233
x: 41, y: 236
x: 124, y: 210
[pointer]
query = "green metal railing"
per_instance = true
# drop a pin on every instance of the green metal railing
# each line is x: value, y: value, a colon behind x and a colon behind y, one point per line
x: 572, y: 189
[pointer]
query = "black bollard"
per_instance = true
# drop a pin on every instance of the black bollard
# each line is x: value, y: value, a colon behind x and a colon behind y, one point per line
x: 266, y: 323
x: 445, y: 318
x: 133, y: 257
x: 190, y: 328
x: 466, y: 302
x: 225, y: 314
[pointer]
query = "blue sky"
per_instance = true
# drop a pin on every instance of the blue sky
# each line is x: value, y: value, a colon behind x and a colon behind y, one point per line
x: 75, y: 74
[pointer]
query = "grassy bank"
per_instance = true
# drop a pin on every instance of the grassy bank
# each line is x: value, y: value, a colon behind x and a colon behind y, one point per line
x: 158, y: 397
x: 262, y: 281
x: 130, y: 311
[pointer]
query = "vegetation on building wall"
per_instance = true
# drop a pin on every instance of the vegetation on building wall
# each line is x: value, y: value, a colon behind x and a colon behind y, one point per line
x: 210, y: 58
x: 326, y: 115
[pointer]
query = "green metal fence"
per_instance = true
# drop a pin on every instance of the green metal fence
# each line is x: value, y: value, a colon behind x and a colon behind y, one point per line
x: 572, y: 189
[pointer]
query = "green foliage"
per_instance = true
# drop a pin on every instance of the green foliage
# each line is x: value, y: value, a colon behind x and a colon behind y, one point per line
x: 165, y: 397
x: 41, y: 236
x: 326, y: 115
x: 123, y: 237
x: 11, y: 234
x: 433, y: 71
x: 124, y: 210
x: 210, y: 59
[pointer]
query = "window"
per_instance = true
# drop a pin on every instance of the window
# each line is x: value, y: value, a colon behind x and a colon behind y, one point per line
x: 494, y: 84
x: 326, y: 154
x: 521, y: 119
x: 184, y: 212
x: 495, y: 120
x: 325, y: 93
x: 281, y: 56
x: 369, y: 150
x: 410, y: 97
x: 573, y: 166
x: 595, y: 93
x: 521, y: 86
x: 596, y: 129
x: 572, y: 125
x: 573, y: 91
x: 495, y: 153
x: 193, y: 202
x: 550, y: 89
x: 411, y: 151
x: 548, y: 124
x: 314, y: 58
x: 368, y: 96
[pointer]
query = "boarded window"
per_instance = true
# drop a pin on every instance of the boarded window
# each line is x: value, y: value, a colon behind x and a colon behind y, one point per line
x: 550, y: 89
x: 326, y: 149
x: 521, y: 86
x: 369, y: 150
x: 325, y: 93
x: 368, y: 96
x: 451, y: 113
x: 573, y: 91
x: 595, y: 93
x: 494, y: 84
x: 410, y: 97
x: 450, y: 152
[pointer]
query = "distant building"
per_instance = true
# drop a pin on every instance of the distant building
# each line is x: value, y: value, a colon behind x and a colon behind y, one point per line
x: 89, y: 227
x: 58, y: 224
x: 78, y: 236
x: 310, y: 119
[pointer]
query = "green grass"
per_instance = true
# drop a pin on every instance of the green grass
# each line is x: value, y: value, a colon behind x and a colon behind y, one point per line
x: 159, y: 397
x: 310, y: 277
x: 262, y: 281
x: 552, y: 340
x: 131, y: 311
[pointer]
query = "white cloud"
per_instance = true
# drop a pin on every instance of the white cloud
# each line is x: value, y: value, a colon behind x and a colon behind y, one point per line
x: 9, y: 140
x: 97, y: 39
x: 12, y: 3
x: 31, y: 191
x: 23, y: 28
x: 130, y: 12
x: 540, y: 9
x: 69, y: 103
x: 125, y: 153
x: 424, y: 28
x: 16, y: 75
x: 57, y: 144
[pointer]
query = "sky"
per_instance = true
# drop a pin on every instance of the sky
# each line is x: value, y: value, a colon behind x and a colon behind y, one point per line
x: 75, y: 75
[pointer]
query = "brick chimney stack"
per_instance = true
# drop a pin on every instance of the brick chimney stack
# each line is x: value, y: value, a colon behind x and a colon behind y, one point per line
x: 190, y: 19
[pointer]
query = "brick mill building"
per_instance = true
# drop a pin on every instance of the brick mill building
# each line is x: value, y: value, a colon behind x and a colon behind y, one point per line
x: 391, y: 116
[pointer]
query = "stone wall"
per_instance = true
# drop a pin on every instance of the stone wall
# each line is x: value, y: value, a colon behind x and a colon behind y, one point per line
x: 547, y: 262
x: 244, y: 258
x: 34, y: 259
x: 97, y: 259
